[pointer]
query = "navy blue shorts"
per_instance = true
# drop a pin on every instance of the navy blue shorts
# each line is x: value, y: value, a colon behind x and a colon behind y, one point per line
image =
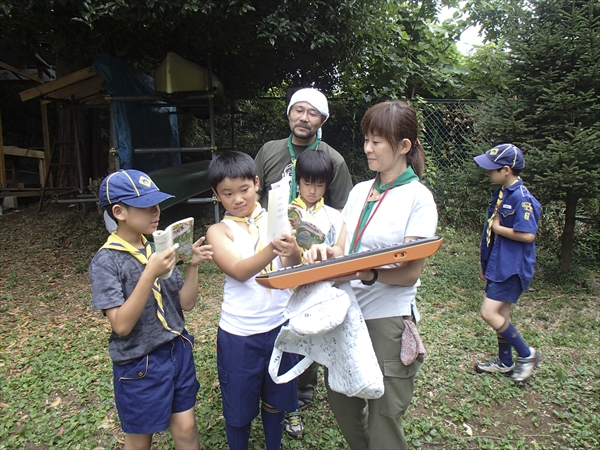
x: 504, y: 291
x: 150, y: 389
x: 243, y: 365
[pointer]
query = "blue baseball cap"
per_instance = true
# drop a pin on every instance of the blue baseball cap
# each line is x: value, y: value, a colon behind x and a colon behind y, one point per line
x: 500, y: 156
x: 132, y: 187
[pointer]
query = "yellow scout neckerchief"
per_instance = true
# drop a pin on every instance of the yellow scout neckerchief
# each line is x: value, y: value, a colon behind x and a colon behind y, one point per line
x: 252, y: 222
x: 490, y: 221
x: 310, y: 211
x: 114, y: 242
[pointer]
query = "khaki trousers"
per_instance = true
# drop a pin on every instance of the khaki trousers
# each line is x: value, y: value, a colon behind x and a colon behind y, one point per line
x: 377, y: 424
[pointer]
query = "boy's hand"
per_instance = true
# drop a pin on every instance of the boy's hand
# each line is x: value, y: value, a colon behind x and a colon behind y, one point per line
x: 201, y: 252
x: 161, y: 262
x: 496, y: 224
x: 287, y: 247
x: 481, y: 275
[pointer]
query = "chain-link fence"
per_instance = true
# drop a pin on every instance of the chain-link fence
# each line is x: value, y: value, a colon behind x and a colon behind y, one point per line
x: 448, y: 130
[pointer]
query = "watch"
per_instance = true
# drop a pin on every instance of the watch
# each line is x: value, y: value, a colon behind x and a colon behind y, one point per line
x: 372, y: 282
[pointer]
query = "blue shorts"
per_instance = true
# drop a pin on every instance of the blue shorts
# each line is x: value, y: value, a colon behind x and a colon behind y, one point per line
x: 150, y: 389
x: 243, y: 365
x: 507, y: 291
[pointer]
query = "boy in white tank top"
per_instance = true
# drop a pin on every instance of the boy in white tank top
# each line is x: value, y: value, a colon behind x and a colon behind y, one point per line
x: 251, y: 315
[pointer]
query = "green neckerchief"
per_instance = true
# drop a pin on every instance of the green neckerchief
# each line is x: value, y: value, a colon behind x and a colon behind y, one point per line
x: 365, y: 216
x: 290, y: 147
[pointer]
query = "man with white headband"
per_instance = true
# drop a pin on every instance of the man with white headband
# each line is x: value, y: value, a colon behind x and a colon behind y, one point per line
x: 307, y: 112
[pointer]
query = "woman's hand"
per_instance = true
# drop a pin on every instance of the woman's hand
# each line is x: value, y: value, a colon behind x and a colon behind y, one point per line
x: 319, y: 252
x: 364, y: 275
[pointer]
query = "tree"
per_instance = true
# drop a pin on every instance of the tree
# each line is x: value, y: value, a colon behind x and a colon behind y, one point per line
x: 405, y: 53
x: 255, y: 45
x: 551, y: 106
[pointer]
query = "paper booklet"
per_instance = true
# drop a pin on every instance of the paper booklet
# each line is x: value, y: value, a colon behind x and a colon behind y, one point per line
x: 181, y: 234
x: 278, y: 222
x: 307, y: 232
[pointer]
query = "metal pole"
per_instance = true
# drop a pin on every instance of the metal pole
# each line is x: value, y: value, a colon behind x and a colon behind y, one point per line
x: 114, y: 139
x: 211, y: 112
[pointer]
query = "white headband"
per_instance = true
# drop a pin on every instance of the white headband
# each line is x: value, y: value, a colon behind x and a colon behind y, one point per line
x: 312, y: 96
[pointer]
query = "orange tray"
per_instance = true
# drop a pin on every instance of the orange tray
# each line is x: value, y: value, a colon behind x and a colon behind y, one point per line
x: 342, y: 265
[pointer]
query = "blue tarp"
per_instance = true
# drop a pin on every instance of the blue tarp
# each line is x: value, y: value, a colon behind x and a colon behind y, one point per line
x: 137, y: 126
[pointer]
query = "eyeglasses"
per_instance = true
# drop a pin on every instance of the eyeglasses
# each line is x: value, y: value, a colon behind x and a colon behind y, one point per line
x: 312, y: 113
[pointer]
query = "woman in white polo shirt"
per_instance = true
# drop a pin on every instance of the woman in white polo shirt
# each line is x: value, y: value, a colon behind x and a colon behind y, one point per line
x: 393, y: 207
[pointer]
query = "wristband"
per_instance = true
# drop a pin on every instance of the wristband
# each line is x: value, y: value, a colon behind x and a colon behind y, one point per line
x: 372, y: 282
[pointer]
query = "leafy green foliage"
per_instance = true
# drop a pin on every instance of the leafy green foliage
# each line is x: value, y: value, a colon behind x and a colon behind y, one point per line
x: 550, y: 105
x: 362, y: 47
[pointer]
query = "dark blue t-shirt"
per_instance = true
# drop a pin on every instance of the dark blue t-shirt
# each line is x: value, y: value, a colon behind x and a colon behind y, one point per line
x: 505, y: 257
x: 114, y: 275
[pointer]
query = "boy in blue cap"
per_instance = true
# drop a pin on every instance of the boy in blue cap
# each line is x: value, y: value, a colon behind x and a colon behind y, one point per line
x: 508, y: 258
x: 153, y: 367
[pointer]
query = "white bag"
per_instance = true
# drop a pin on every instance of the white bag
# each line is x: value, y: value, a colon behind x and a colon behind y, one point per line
x: 346, y: 349
x: 316, y: 308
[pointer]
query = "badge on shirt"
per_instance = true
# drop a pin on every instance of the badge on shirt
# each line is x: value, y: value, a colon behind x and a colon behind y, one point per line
x: 527, y: 206
x: 526, y: 216
x: 505, y: 206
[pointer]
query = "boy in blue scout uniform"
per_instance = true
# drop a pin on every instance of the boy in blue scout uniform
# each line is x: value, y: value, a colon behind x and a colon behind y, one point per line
x: 153, y: 367
x: 508, y: 258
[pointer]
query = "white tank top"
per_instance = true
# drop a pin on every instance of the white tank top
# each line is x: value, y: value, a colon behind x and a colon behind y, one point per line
x: 248, y: 308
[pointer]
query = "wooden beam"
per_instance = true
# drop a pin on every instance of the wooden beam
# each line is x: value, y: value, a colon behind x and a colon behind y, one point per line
x: 59, y: 83
x: 26, y: 152
x: 98, y: 99
x: 21, y: 193
x: 17, y: 71
x: 71, y: 89
x: 46, y: 139
x: 2, y: 166
x: 82, y: 96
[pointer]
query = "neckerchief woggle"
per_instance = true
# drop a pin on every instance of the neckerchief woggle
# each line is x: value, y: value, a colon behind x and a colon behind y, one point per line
x: 115, y: 242
x: 258, y: 213
x: 367, y: 212
x: 290, y: 147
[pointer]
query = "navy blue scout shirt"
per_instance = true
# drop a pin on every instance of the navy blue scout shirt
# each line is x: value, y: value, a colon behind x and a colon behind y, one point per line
x: 505, y: 257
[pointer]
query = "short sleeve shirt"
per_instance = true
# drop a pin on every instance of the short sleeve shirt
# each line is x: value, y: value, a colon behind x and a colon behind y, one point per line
x: 504, y: 257
x: 114, y: 275
x: 273, y: 157
x: 407, y: 210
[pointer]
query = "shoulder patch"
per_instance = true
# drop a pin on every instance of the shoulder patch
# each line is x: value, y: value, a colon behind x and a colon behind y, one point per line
x: 527, y: 206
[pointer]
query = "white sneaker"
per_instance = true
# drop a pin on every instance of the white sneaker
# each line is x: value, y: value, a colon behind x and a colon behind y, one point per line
x: 525, y: 366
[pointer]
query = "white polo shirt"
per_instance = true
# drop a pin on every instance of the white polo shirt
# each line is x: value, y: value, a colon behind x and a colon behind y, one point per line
x: 407, y: 210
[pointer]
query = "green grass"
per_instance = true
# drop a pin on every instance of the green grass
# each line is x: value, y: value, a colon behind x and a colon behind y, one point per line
x: 56, y: 383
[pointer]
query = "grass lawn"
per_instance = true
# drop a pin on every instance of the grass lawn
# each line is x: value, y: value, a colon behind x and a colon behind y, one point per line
x: 55, y: 374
